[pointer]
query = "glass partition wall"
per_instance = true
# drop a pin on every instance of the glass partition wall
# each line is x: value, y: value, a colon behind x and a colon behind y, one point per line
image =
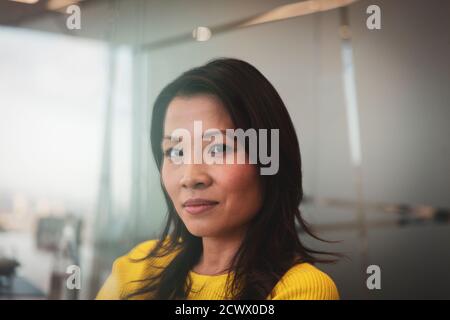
x: 77, y: 178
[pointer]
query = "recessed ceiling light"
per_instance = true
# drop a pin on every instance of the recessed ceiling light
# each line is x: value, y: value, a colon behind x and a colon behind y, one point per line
x: 201, y: 34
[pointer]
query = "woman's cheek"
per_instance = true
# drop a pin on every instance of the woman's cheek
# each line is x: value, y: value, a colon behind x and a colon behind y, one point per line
x: 168, y: 178
x: 233, y: 177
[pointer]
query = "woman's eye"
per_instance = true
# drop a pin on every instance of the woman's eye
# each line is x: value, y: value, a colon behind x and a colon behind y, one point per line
x: 173, y: 153
x: 220, y: 148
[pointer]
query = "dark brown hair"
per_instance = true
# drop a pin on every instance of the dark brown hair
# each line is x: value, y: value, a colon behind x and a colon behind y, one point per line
x: 272, y: 244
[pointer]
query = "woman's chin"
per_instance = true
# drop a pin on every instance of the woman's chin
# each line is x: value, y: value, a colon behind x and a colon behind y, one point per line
x: 201, y: 231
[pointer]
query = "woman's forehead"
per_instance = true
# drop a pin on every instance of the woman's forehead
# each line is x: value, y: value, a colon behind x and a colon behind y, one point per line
x: 184, y: 112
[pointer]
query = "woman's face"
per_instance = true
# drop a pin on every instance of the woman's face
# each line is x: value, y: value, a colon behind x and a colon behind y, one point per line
x: 233, y: 191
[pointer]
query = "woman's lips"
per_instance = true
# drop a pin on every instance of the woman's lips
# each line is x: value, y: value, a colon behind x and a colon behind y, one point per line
x: 196, y: 206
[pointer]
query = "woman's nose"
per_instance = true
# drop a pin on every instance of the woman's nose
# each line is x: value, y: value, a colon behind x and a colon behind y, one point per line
x: 195, y: 177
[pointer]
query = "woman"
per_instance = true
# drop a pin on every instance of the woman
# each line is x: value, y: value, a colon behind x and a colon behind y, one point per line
x: 231, y: 231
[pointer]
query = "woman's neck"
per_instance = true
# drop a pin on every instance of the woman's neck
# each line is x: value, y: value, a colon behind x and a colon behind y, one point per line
x: 217, y: 255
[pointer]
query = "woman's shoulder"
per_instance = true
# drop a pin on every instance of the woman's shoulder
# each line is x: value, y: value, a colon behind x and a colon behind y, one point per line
x: 142, y: 249
x: 134, y: 265
x: 305, y: 281
x: 137, y: 255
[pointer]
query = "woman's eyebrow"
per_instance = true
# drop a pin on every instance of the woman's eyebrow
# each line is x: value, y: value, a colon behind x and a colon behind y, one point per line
x: 173, y: 138
x: 213, y: 132
x: 206, y: 134
x: 169, y: 139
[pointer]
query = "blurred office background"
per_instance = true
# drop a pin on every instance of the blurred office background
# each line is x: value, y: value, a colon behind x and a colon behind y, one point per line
x: 78, y: 184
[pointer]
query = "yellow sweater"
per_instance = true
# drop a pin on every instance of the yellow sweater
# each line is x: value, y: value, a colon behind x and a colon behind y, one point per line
x: 302, y: 282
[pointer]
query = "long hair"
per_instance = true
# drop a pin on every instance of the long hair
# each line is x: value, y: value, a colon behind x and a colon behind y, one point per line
x: 271, y: 244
